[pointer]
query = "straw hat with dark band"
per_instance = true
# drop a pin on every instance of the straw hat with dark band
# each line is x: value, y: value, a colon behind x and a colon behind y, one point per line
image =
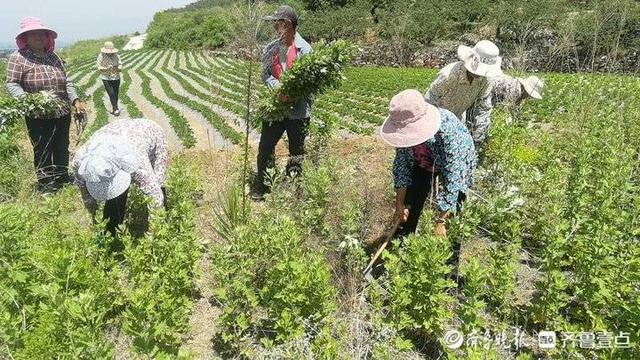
x: 109, y: 48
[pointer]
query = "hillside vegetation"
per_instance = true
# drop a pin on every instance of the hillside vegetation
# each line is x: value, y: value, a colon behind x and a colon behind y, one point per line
x: 553, y: 34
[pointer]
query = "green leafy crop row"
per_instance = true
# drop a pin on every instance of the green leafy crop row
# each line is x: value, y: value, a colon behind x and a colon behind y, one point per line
x: 216, y: 120
x: 177, y: 121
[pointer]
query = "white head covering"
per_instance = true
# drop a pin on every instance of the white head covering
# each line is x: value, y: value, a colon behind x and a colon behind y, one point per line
x: 483, y: 59
x: 533, y: 85
x: 105, y: 166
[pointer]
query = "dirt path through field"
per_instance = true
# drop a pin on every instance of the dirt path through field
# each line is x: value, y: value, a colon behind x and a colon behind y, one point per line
x: 216, y: 169
x: 206, y: 135
x: 149, y: 110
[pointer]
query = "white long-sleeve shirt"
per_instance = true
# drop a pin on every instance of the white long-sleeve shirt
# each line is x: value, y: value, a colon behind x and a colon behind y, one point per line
x: 453, y: 91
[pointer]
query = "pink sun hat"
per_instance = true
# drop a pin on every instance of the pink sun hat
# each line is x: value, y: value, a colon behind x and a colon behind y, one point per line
x: 31, y: 23
x: 411, y: 120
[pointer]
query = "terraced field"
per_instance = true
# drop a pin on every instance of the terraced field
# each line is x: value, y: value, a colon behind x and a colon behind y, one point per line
x: 199, y: 99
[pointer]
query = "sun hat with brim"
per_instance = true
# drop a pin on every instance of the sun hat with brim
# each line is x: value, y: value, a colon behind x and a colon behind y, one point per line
x: 411, y: 120
x: 109, y: 48
x: 109, y: 188
x: 533, y: 85
x: 106, y: 167
x: 31, y: 23
x: 482, y: 60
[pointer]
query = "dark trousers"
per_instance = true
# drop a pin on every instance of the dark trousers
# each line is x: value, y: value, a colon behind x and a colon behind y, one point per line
x: 417, y: 193
x: 50, y: 140
x: 115, y: 210
x: 297, y: 130
x: 113, y: 89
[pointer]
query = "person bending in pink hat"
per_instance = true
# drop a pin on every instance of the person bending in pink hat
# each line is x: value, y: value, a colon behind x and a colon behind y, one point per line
x: 428, y: 140
x: 34, y: 67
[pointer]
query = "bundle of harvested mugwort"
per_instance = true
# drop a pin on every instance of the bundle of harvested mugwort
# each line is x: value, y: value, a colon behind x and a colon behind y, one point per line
x: 41, y: 103
x: 311, y: 75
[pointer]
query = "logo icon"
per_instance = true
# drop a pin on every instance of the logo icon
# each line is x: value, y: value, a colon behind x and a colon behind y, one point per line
x: 453, y: 339
x: 547, y: 339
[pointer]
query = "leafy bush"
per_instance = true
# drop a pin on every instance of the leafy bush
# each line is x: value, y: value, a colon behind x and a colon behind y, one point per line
x: 270, y: 285
x: 58, y: 292
x: 12, y: 168
x: 162, y: 262
x: 418, y: 283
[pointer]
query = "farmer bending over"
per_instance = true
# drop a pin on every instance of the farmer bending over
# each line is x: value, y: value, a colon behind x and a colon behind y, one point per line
x: 511, y: 91
x: 122, y: 152
x: 427, y: 140
x: 278, y: 57
x: 463, y: 84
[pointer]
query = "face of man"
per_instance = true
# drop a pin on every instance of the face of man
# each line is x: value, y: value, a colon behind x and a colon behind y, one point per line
x: 36, y: 40
x: 282, y: 27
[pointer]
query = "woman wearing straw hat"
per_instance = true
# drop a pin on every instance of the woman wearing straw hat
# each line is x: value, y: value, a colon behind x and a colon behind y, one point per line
x: 427, y: 140
x: 121, y: 153
x: 110, y: 68
x: 34, y: 68
x: 462, y: 84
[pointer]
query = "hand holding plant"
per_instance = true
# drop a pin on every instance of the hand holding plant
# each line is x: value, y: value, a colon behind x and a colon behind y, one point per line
x: 311, y: 75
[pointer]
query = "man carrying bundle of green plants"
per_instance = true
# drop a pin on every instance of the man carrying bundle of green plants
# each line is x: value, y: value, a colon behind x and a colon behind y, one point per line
x: 277, y: 58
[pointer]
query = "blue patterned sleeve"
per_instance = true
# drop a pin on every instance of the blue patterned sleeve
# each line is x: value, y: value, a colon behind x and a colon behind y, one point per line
x: 402, y: 167
x: 453, y: 172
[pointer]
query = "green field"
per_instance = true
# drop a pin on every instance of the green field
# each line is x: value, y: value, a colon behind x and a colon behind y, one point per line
x: 549, y: 236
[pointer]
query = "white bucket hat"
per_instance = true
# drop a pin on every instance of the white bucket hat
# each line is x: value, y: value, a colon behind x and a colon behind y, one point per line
x: 109, y: 48
x: 106, y: 167
x: 483, y: 59
x: 533, y: 85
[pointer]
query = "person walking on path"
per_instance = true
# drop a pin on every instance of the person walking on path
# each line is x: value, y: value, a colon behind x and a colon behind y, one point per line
x: 428, y: 140
x: 277, y: 58
x: 463, y: 84
x: 35, y: 67
x: 122, y: 152
x: 110, y: 67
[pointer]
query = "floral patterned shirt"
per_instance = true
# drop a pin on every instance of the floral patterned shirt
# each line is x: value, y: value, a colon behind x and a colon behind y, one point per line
x: 454, y: 158
x: 112, y: 63
x: 30, y: 73
x: 149, y: 141
x: 452, y: 90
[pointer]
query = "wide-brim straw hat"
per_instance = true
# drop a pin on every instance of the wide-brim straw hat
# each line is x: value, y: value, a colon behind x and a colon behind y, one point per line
x: 31, y: 23
x: 483, y: 59
x: 109, y: 48
x: 411, y: 120
x: 533, y: 85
